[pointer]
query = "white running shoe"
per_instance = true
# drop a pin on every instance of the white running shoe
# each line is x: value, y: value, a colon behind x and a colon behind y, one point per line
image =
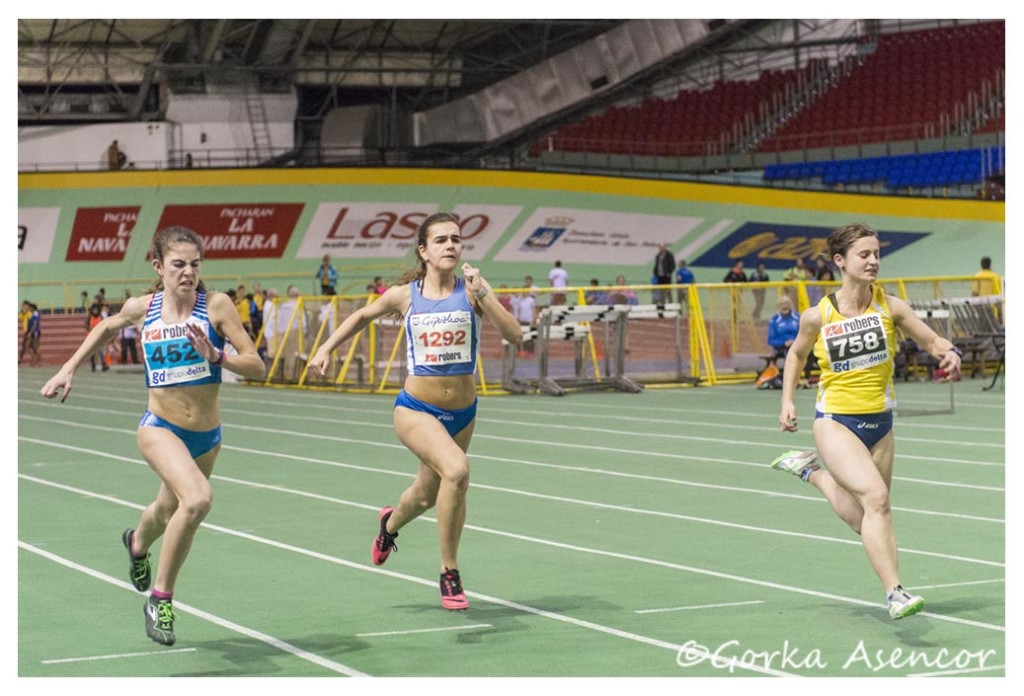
x: 902, y: 603
x: 798, y: 463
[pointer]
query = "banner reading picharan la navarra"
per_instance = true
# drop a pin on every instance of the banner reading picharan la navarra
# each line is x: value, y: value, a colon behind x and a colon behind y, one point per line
x: 369, y: 230
x: 238, y: 230
x: 593, y: 236
x: 102, y: 234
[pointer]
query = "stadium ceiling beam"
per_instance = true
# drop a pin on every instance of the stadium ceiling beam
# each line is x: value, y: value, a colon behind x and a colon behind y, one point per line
x: 213, y: 41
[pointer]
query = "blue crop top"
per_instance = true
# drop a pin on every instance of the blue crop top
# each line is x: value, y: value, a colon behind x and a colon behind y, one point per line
x: 442, y: 336
x: 170, y: 359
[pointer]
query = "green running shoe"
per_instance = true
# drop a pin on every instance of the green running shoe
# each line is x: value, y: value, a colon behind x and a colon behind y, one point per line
x: 902, y: 603
x: 798, y: 463
x: 159, y: 620
x: 139, y: 571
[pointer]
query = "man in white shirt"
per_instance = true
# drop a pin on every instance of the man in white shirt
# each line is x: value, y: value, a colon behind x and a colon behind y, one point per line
x: 559, y: 278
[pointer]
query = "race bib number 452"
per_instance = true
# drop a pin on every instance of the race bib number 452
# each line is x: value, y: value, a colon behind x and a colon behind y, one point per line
x: 174, y: 361
x: 855, y: 344
x: 442, y: 338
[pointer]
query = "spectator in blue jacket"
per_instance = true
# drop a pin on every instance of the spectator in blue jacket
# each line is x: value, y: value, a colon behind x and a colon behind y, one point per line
x: 684, y: 276
x: 327, y: 274
x: 783, y: 328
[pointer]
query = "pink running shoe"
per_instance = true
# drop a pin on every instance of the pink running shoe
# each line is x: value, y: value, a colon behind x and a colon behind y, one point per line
x: 384, y: 544
x: 452, y: 596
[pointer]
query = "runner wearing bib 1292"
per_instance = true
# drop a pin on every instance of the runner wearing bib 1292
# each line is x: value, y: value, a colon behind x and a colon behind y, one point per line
x: 442, y: 336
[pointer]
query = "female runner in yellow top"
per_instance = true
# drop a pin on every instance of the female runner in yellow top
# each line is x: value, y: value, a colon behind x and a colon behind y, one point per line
x: 852, y: 332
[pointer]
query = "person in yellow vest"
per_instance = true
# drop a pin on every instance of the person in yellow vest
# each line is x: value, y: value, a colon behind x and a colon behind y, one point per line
x: 986, y: 281
x: 244, y: 310
x: 853, y: 334
x: 23, y: 317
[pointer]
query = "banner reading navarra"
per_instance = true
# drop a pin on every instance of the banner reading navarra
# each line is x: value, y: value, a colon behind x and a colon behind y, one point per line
x: 101, y: 234
x: 237, y: 230
x: 779, y: 246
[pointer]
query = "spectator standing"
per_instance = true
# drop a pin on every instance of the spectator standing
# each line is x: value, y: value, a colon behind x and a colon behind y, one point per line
x: 528, y: 284
x: 736, y: 274
x: 243, y: 304
x: 799, y: 272
x: 379, y: 286
x: 986, y: 281
x: 759, y: 275
x: 256, y: 300
x: 129, y: 335
x: 115, y: 158
x: 664, y: 265
x: 91, y: 322
x: 684, y: 276
x: 33, y: 332
x: 269, y: 314
x: 327, y: 274
x: 558, y: 277
x: 23, y: 317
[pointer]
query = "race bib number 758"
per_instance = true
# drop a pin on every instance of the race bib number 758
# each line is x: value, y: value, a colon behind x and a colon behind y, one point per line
x: 855, y: 344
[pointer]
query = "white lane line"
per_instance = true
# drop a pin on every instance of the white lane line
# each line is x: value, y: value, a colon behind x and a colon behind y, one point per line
x: 518, y: 440
x: 816, y: 499
x: 151, y: 653
x: 188, y: 609
x: 520, y: 537
x: 959, y: 584
x: 422, y: 630
x: 699, y: 606
x: 586, y: 503
x: 646, y: 640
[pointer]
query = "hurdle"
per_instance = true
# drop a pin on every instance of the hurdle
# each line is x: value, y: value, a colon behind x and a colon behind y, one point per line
x: 576, y: 323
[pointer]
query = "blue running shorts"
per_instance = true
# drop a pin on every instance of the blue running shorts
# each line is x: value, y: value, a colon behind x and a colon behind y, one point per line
x: 198, y: 443
x: 453, y: 421
x: 869, y: 427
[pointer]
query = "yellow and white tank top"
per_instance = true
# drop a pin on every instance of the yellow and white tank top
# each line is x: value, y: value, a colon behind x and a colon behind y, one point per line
x: 855, y: 356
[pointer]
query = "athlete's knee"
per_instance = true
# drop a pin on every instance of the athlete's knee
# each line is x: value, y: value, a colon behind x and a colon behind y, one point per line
x: 876, y: 501
x: 457, y: 472
x: 196, y: 506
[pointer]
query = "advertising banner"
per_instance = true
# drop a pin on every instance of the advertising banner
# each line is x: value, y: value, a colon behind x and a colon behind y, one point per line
x: 574, y: 235
x: 373, y: 230
x: 238, y: 230
x: 779, y: 246
x: 37, y: 228
x: 102, y: 234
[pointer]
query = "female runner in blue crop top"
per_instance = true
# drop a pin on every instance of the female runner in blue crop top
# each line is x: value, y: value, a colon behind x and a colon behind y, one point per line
x: 434, y: 414
x: 183, y: 329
